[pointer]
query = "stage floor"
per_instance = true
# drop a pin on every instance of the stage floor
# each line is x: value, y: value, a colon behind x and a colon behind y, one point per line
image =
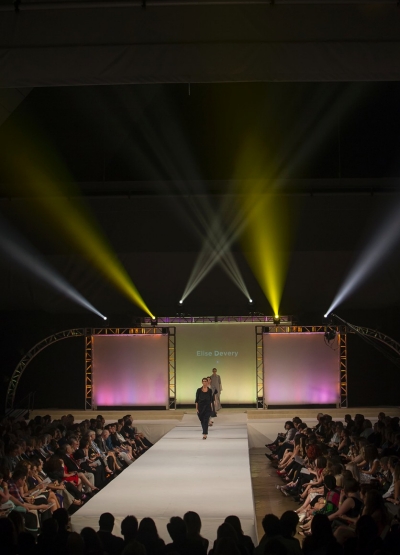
x: 182, y: 473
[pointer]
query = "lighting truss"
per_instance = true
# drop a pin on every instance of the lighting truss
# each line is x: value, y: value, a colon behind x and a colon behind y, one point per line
x: 342, y: 338
x: 210, y: 319
x: 260, y: 367
x: 153, y: 330
x: 30, y: 355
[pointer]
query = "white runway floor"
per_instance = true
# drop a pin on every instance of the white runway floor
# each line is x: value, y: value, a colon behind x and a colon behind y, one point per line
x: 181, y: 473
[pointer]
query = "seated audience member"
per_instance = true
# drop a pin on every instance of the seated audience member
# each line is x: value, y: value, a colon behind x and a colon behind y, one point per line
x: 282, y: 436
x: 47, y: 538
x: 289, y: 521
x: 28, y: 510
x: 8, y: 537
x: 321, y: 539
x: 282, y: 442
x: 62, y: 518
x: 148, y: 536
x: 350, y: 425
x: 119, y: 451
x: 374, y: 506
x: 225, y: 546
x: 358, y: 424
x: 98, y: 453
x: 75, y: 544
x: 72, y: 465
x: 11, y: 454
x: 272, y: 530
x: 392, y: 496
x: 92, y: 542
x: 193, y: 526
x: 365, y: 470
x: 129, y: 530
x: 350, y: 504
x: 376, y: 438
x: 244, y: 540
x: 226, y: 531
x: 81, y: 455
x: 180, y: 543
x: 366, y: 539
x: 367, y: 429
x: 113, y: 545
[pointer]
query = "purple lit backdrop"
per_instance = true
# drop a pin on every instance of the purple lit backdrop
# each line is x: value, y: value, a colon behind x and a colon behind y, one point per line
x: 299, y: 368
x: 130, y: 370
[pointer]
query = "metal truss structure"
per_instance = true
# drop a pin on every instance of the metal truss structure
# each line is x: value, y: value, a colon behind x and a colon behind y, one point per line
x: 342, y: 342
x: 181, y: 318
x: 260, y: 367
x: 386, y: 342
x: 153, y: 330
x: 30, y: 355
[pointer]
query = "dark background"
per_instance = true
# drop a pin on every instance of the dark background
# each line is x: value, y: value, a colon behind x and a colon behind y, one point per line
x: 140, y: 156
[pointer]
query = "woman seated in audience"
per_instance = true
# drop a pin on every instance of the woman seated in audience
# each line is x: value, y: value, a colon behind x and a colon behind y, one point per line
x: 244, y: 541
x: 34, y: 491
x: 395, y: 498
x: 81, y: 455
x: 72, y: 470
x: 376, y: 438
x: 321, y: 539
x: 37, y: 475
x: 374, y: 506
x: 345, y: 442
x: 326, y: 503
x: 148, y: 536
x: 290, y: 456
x: 350, y: 504
x: 336, y: 437
x: 365, y: 470
x: 317, y: 473
x: 55, y: 471
x: 193, y: 526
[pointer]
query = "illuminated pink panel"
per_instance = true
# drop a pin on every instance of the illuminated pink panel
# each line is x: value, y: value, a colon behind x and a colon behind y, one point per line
x: 130, y: 370
x: 299, y: 368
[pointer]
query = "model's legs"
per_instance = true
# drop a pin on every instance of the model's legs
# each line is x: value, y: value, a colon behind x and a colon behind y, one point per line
x: 204, y: 423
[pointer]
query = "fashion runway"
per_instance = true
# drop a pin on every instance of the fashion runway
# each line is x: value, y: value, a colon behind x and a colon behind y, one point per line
x: 184, y: 473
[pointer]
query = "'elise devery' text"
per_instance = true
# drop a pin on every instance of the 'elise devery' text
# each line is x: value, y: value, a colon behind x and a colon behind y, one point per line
x: 217, y: 353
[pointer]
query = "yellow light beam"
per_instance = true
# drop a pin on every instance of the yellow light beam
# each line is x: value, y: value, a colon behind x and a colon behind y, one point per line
x: 69, y: 215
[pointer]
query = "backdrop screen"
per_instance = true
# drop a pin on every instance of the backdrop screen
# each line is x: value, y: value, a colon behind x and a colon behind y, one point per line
x: 229, y: 347
x: 300, y: 369
x: 130, y: 370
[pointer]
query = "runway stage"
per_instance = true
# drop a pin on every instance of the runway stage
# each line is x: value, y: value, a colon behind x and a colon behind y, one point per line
x: 183, y: 473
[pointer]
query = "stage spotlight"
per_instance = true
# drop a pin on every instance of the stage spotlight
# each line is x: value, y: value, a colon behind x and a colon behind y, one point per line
x: 326, y: 315
x: 277, y: 320
x: 330, y: 335
x: 154, y: 321
x: 104, y: 317
x: 181, y: 301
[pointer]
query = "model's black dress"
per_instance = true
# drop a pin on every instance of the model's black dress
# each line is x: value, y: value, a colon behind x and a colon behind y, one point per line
x: 204, y: 400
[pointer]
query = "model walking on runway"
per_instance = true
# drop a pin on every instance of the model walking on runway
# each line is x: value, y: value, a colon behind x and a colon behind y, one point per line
x: 204, y: 405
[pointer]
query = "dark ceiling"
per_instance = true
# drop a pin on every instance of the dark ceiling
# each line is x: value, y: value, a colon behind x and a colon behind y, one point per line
x: 143, y: 157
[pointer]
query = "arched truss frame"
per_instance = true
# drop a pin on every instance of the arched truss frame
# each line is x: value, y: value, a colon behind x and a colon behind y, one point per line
x: 88, y: 333
x: 30, y: 355
x: 341, y: 334
x: 170, y: 330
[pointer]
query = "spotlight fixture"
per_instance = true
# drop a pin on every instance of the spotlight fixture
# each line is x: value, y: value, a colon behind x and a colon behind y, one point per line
x: 326, y: 315
x: 330, y: 335
x: 181, y: 301
x: 276, y: 319
x: 154, y: 321
x: 104, y: 317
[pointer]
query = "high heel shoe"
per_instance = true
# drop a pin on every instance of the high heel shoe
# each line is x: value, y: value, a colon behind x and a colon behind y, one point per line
x: 204, y: 437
